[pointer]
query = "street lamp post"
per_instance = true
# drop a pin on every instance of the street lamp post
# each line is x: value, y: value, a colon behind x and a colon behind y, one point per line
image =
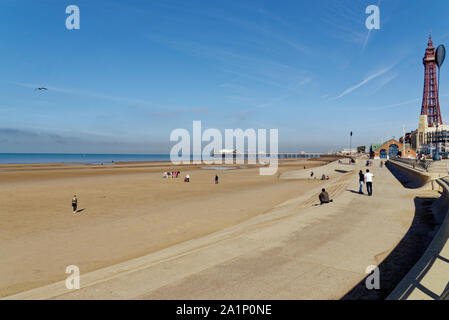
x: 350, y: 143
x: 436, y: 156
x: 403, y: 142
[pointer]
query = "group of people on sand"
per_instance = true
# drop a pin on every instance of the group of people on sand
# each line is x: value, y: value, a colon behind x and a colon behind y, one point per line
x: 175, y: 174
x: 171, y: 174
x: 323, y: 177
x: 350, y: 161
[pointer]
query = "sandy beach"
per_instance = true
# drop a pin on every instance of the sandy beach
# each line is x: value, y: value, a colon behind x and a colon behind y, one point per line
x: 126, y: 211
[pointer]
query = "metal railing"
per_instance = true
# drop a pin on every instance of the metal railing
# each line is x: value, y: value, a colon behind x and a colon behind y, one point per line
x: 415, y: 163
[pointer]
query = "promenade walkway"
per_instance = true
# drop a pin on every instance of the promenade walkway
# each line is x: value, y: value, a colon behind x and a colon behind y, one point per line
x: 296, y: 251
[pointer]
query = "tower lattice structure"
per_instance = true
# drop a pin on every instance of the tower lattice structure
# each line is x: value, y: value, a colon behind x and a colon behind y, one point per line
x: 431, y: 101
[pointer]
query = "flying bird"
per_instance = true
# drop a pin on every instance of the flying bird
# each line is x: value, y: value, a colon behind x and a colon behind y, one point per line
x: 42, y: 88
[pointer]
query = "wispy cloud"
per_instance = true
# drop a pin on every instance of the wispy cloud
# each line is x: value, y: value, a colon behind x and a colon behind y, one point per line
x: 395, y: 105
x: 240, y: 115
x: 270, y: 71
x: 343, y: 21
x: 383, y: 81
x: 83, y: 93
x: 39, y: 140
x: 178, y: 112
x: 362, y: 83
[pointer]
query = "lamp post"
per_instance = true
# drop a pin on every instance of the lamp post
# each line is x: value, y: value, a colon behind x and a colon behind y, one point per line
x: 436, y: 156
x: 403, y: 141
x: 350, y: 143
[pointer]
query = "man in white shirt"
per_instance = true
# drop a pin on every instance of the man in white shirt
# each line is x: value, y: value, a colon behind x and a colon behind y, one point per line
x: 369, y: 182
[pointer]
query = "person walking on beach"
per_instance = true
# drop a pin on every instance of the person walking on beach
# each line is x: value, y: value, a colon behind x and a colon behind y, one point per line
x: 361, y: 181
x: 369, y: 182
x: 324, y: 197
x: 216, y: 179
x: 381, y: 164
x: 74, y: 203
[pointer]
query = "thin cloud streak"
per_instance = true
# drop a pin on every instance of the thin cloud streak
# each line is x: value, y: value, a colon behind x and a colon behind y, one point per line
x: 395, y: 105
x: 82, y: 93
x: 364, y: 82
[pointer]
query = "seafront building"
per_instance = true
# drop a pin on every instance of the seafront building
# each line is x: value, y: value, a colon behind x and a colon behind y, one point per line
x: 391, y: 149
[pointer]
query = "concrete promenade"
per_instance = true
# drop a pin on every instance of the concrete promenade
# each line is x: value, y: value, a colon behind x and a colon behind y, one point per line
x: 296, y: 251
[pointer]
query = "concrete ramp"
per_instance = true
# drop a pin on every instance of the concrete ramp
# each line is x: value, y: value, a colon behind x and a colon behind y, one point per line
x: 333, y: 170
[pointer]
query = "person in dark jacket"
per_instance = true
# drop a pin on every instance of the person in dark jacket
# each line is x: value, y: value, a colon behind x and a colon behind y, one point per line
x: 324, y: 197
x: 361, y: 181
x: 74, y: 203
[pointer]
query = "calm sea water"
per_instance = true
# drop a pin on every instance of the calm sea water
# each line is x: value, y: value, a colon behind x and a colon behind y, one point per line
x: 23, y: 158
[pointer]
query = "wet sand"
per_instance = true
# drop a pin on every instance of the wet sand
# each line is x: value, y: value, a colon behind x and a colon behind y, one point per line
x: 127, y: 211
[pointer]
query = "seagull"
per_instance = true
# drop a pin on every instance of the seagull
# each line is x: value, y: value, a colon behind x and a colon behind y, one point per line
x: 42, y: 88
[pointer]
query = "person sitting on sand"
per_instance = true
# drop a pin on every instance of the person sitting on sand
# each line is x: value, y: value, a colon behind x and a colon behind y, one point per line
x: 187, y: 178
x: 323, y: 177
x: 324, y: 197
x: 74, y: 203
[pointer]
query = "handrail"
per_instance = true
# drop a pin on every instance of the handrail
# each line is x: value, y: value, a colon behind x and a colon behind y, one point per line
x: 416, y: 163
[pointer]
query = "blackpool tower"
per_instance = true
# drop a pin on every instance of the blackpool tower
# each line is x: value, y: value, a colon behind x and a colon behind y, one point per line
x: 430, y: 100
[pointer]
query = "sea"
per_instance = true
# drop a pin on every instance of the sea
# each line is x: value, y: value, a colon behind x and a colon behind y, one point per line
x: 89, y: 158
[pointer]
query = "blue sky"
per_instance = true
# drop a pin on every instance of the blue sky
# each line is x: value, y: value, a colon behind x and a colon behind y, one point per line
x: 136, y: 70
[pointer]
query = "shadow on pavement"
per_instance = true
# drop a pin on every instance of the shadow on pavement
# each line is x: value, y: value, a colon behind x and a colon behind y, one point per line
x: 404, y: 256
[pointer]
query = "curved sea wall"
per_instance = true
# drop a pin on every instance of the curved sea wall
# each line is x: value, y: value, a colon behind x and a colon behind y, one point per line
x: 412, y: 177
x: 429, y: 278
